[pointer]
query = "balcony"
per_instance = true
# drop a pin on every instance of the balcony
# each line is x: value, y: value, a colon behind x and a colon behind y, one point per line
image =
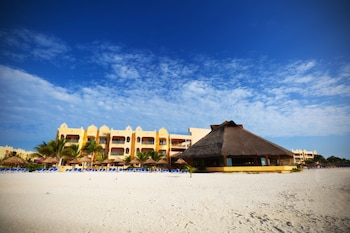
x: 180, y: 143
x: 118, y: 141
x: 117, y: 151
x: 103, y: 141
x: 72, y: 140
x: 147, y: 141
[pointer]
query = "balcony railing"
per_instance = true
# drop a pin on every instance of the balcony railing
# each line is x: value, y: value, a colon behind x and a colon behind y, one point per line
x: 182, y: 145
x: 73, y: 140
x: 150, y: 142
x: 118, y: 141
x: 117, y: 152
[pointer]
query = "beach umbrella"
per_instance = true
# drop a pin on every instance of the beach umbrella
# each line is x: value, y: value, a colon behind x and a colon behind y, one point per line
x: 97, y: 163
x: 14, y: 160
x: 162, y: 162
x: 85, y: 159
x: 74, y: 161
x: 150, y: 161
x: 181, y: 162
x: 134, y: 161
x: 118, y: 160
x: 107, y: 161
x: 50, y: 160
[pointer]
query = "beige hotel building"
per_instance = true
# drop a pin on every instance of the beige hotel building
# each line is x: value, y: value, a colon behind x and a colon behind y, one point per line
x: 128, y: 142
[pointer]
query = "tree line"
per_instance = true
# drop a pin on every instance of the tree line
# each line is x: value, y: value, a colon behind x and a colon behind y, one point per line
x: 331, y: 161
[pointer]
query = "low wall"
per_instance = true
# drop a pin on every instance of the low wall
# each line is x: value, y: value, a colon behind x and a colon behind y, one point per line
x: 251, y: 169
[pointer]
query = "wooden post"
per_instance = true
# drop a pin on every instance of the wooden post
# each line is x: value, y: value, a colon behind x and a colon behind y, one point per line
x: 267, y: 160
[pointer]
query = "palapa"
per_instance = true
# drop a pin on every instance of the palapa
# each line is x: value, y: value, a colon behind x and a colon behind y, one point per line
x: 14, y: 160
x: 50, y: 160
x: 74, y: 161
x: 230, y: 139
x: 180, y: 161
x: 150, y: 161
x: 162, y: 162
x: 85, y: 159
x: 134, y: 161
x: 107, y: 161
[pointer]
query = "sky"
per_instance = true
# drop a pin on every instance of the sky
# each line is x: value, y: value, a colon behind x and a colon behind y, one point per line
x: 280, y: 68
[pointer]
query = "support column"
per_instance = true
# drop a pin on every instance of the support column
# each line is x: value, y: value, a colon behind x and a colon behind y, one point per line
x: 267, y: 160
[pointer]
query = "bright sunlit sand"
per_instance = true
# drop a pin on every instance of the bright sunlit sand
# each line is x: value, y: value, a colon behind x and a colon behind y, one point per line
x: 310, y: 201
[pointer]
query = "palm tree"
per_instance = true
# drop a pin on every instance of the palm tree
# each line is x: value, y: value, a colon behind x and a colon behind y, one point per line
x: 58, y: 147
x: 127, y: 159
x: 54, y: 148
x: 72, y: 151
x: 142, y: 157
x: 92, y: 148
x: 43, y: 150
x: 155, y: 155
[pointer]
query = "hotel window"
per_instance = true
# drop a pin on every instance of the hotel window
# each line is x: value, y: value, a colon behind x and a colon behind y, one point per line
x: 138, y: 139
x: 162, y: 141
x: 127, y: 150
x: 103, y: 140
x: 128, y: 139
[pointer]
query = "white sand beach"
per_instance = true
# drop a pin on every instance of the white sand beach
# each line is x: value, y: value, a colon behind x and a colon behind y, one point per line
x: 310, y: 201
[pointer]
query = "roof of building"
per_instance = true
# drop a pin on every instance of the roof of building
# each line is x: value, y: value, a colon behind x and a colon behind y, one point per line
x: 231, y: 139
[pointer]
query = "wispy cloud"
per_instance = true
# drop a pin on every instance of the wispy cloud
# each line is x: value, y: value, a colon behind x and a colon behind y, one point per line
x: 137, y: 87
x: 24, y: 44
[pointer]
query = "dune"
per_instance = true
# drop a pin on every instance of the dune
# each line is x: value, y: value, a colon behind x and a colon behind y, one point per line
x: 311, y: 201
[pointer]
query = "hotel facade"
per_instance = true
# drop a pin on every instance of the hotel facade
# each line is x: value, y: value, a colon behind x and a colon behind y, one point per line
x: 128, y: 142
x: 300, y: 156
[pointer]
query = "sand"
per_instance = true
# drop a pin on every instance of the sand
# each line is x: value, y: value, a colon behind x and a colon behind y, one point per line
x: 311, y: 201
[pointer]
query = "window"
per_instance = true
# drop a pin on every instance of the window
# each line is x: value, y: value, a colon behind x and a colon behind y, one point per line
x: 128, y: 139
x: 103, y: 140
x: 162, y: 141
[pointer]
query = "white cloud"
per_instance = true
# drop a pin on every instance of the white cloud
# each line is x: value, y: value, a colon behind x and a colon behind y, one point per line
x: 139, y: 88
x: 28, y: 44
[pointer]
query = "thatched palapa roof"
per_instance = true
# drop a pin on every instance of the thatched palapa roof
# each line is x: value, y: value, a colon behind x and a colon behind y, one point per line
x: 231, y: 139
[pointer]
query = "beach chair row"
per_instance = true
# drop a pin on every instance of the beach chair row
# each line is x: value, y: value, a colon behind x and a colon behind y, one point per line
x: 112, y: 169
x: 13, y: 170
x: 51, y: 169
x: 164, y: 170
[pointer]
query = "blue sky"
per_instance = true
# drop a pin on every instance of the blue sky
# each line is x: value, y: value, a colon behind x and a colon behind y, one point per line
x: 280, y: 68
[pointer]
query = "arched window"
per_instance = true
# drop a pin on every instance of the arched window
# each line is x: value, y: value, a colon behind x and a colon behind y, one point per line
x: 128, y: 139
x: 138, y: 139
x: 127, y: 151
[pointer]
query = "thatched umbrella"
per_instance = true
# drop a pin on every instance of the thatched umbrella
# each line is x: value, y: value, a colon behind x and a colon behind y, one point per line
x: 134, y: 161
x: 162, y: 162
x: 14, y: 160
x: 181, y: 162
x: 84, y: 160
x: 74, y: 161
x: 150, y: 161
x: 97, y: 163
x: 107, y: 161
x: 50, y: 160
x: 118, y: 161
